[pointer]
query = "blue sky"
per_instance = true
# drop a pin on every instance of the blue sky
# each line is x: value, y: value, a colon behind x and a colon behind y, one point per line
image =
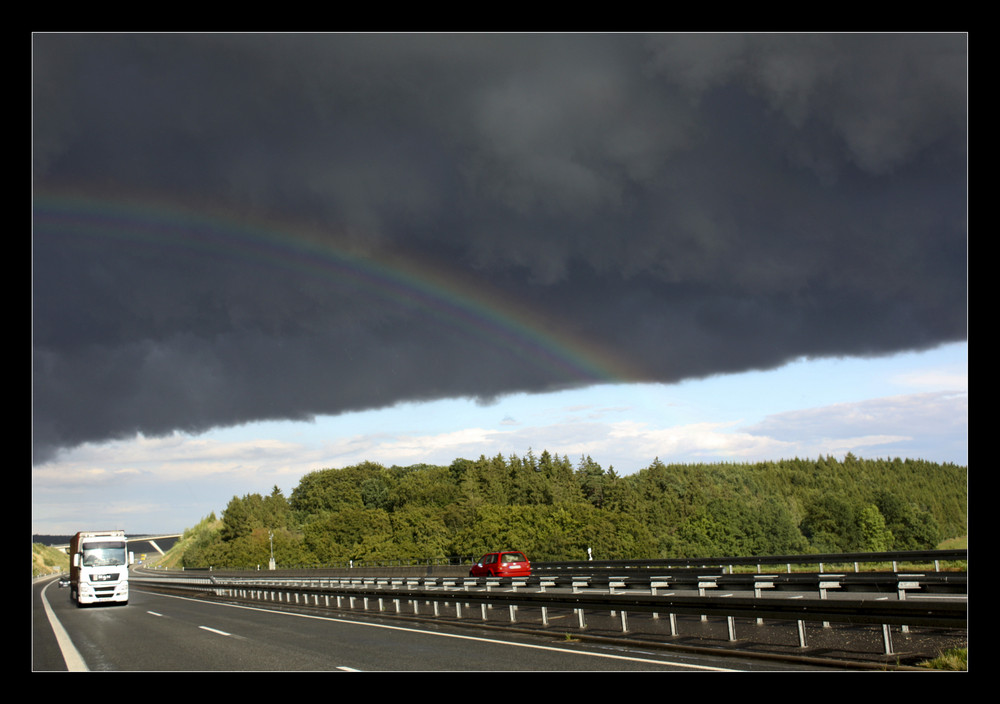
x: 909, y: 405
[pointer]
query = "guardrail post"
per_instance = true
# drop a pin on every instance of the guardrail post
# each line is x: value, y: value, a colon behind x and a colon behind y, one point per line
x: 542, y: 583
x: 757, y: 586
x: 654, y: 584
x: 901, y: 588
x: 886, y: 639
x: 701, y: 592
x: 802, y: 634
x: 823, y: 586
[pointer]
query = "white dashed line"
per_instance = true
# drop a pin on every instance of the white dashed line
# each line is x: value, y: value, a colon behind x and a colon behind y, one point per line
x: 213, y: 630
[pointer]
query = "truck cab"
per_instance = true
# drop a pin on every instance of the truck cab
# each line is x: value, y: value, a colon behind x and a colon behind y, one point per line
x: 99, y: 562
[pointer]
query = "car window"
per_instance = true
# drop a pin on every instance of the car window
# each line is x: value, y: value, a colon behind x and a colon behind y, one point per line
x: 513, y: 557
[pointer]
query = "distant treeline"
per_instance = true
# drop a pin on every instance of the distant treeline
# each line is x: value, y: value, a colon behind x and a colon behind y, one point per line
x: 553, y: 509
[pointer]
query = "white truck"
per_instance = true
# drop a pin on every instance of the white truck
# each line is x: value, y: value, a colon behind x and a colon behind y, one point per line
x: 98, y: 571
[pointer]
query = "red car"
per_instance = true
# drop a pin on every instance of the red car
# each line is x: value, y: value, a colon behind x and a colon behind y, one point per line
x: 506, y: 563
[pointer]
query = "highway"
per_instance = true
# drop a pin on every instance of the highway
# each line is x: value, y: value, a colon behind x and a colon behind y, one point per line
x: 158, y: 632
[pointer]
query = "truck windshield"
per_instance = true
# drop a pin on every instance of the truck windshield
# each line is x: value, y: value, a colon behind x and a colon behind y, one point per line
x: 104, y: 554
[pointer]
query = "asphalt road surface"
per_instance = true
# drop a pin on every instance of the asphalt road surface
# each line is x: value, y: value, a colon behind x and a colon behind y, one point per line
x: 156, y: 632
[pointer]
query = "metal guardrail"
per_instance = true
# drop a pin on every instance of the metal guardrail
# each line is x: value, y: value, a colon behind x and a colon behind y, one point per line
x: 897, y: 556
x: 587, y: 592
x: 880, y: 582
x: 449, y: 567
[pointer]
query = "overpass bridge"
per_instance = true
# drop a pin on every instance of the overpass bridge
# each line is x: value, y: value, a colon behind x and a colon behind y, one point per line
x: 135, y: 542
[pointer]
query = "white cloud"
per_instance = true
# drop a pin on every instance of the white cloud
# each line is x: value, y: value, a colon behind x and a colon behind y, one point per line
x: 931, y: 426
x: 173, y: 458
x: 937, y: 379
x: 928, y: 413
x: 404, y: 449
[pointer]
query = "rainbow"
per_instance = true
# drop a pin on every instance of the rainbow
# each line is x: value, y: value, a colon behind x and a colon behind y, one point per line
x: 446, y: 295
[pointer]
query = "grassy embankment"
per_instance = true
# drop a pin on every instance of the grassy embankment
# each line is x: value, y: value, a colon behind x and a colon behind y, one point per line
x: 174, y: 556
x: 47, y: 560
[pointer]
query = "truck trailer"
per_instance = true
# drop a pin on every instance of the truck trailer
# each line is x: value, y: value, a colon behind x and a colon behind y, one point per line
x: 98, y: 571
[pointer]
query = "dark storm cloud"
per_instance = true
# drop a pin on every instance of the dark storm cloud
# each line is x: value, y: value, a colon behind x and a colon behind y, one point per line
x: 701, y: 203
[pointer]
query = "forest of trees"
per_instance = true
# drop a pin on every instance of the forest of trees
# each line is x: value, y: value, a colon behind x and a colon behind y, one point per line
x: 554, y: 510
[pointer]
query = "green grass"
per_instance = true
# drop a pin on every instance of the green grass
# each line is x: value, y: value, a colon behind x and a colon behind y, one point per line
x: 47, y: 560
x: 955, y: 544
x: 952, y: 659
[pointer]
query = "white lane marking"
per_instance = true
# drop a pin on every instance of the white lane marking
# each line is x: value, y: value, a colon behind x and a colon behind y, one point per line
x: 459, y: 636
x: 74, y: 661
x: 345, y: 668
x: 153, y: 613
x: 214, y: 630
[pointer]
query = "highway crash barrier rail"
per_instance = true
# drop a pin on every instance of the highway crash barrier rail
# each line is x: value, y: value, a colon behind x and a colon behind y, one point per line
x: 458, y: 566
x: 895, y: 558
x: 615, y: 594
x: 881, y: 582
